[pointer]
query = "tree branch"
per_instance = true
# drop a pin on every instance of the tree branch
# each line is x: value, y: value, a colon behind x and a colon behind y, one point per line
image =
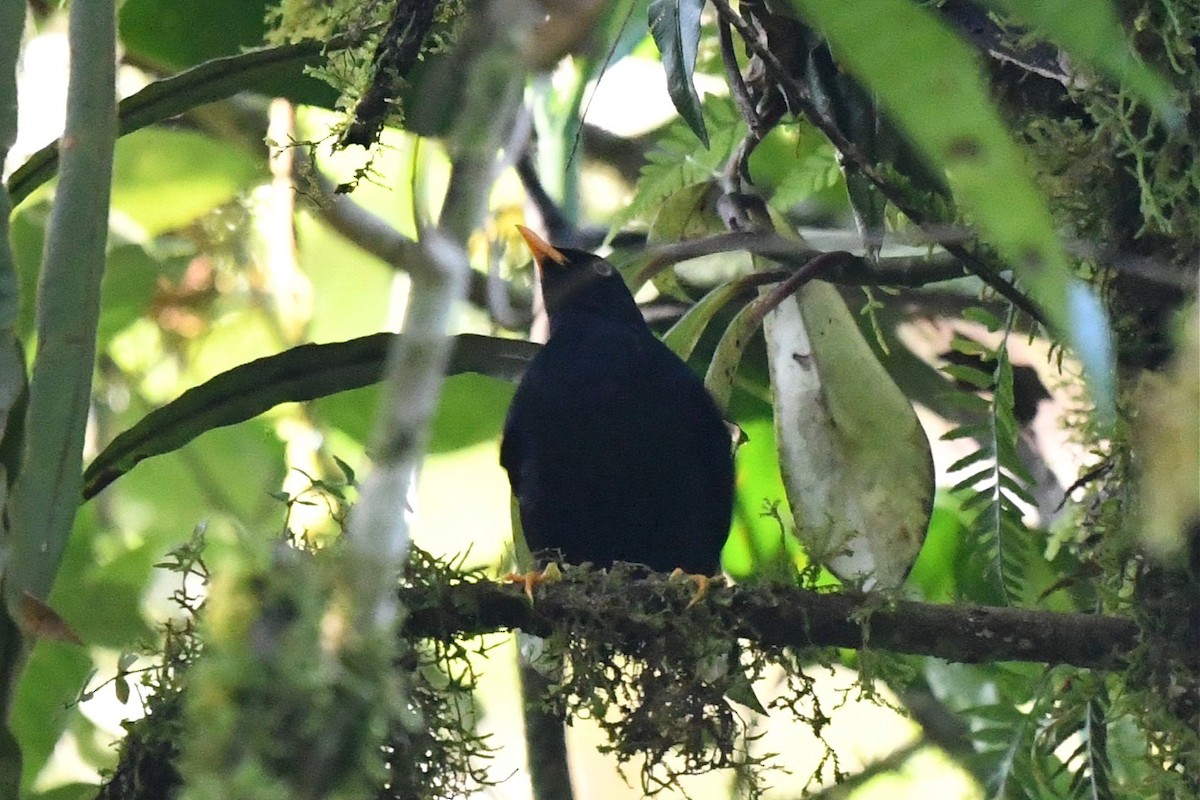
x: 375, y: 235
x: 975, y: 258
x: 850, y: 270
x: 774, y: 616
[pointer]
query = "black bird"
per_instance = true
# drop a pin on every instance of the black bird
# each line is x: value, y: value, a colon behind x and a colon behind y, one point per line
x: 614, y: 449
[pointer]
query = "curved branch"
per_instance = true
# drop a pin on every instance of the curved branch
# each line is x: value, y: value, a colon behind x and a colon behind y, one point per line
x: 849, y: 270
x: 375, y: 235
x: 774, y: 616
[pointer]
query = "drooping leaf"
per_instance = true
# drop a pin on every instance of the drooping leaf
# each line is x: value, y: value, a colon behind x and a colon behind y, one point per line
x: 619, y: 29
x: 687, y: 330
x: 931, y: 86
x: 675, y: 26
x: 855, y: 460
x: 164, y: 179
x: 722, y: 370
x: 687, y: 213
x: 302, y: 373
x: 839, y: 98
x: 178, y: 36
x: 691, y: 213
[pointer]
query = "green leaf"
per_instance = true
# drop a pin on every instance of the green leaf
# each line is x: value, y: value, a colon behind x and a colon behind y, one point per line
x: 126, y: 290
x: 728, y: 355
x: 675, y: 26
x: 934, y: 573
x: 792, y: 164
x: 1090, y: 31
x: 687, y: 330
x: 974, y: 457
x: 27, y: 236
x: 12, y: 28
x: 675, y: 162
x: 471, y: 409
x: 688, y: 213
x: 301, y: 373
x: 759, y: 545
x: 347, y: 471
x: 163, y: 179
x: 932, y: 88
x: 42, y: 704
x: 983, y: 317
x: 178, y: 35
x: 969, y: 375
x: 970, y: 347
x: 855, y: 460
x: 45, y: 496
x: 102, y: 598
x: 1000, y: 544
x: 616, y: 33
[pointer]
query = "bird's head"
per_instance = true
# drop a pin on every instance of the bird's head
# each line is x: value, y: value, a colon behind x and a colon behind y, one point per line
x: 576, y: 282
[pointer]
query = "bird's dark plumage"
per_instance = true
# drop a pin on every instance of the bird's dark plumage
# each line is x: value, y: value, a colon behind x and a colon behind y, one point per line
x: 614, y: 449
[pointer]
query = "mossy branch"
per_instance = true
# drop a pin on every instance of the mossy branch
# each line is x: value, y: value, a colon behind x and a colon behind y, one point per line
x: 773, y: 616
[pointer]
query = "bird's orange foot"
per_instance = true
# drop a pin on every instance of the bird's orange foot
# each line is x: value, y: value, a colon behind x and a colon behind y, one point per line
x: 532, y: 578
x: 702, y: 583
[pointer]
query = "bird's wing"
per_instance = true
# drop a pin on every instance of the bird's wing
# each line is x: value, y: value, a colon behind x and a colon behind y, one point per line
x: 513, y: 459
x: 511, y: 453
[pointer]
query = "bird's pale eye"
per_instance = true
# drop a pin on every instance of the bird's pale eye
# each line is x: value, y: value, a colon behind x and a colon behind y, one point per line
x: 602, y: 267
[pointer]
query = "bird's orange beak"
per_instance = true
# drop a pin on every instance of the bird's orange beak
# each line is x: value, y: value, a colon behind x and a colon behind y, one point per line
x: 541, y: 249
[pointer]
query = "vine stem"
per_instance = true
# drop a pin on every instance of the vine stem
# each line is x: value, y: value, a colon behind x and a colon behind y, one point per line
x: 46, y: 495
x: 41, y: 509
x: 378, y: 527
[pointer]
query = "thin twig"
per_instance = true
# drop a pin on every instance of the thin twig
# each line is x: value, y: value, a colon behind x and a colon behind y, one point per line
x: 798, y: 99
x: 375, y: 235
x: 850, y: 270
x: 733, y: 73
x: 813, y: 269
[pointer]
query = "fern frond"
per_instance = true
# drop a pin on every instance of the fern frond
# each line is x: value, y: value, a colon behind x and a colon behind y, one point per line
x: 1003, y: 738
x: 814, y: 168
x: 1073, y: 744
x: 995, y: 480
x: 678, y: 160
x: 1095, y: 779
